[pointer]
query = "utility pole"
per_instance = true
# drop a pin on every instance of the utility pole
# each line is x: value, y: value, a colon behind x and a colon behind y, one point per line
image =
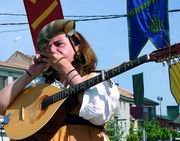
x: 160, y: 100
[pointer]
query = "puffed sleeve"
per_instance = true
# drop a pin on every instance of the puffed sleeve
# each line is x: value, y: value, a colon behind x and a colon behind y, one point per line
x: 99, y: 102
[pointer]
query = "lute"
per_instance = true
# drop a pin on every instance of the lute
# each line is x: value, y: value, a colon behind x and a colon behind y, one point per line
x: 35, y: 106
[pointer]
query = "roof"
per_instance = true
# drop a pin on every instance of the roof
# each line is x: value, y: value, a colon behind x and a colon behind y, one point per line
x: 169, y: 119
x: 129, y: 97
x: 17, y: 60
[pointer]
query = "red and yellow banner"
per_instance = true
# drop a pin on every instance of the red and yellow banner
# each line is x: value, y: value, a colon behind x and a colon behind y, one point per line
x: 39, y: 13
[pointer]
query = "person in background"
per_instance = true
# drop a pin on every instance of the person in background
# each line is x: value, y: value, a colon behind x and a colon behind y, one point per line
x: 65, y: 59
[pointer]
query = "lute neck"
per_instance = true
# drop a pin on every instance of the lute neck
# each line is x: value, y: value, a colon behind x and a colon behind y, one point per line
x: 95, y: 80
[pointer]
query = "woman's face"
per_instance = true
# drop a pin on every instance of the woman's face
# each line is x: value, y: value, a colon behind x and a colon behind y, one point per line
x: 62, y: 44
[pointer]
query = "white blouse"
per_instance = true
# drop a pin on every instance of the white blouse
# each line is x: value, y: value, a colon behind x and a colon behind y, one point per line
x: 99, y: 102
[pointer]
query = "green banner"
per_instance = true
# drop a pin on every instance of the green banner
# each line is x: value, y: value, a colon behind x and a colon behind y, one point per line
x: 138, y: 89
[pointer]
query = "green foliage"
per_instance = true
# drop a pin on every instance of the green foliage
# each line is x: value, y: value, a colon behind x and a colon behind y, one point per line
x: 113, y: 130
x: 155, y: 132
x: 132, y: 136
x: 175, y: 134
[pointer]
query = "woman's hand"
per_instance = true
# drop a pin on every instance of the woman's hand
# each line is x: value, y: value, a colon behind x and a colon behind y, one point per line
x: 37, y: 66
x: 51, y: 55
x: 55, y: 59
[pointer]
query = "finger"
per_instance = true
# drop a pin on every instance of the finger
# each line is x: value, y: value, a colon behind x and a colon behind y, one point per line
x: 35, y: 59
x: 45, y: 60
x: 44, y: 55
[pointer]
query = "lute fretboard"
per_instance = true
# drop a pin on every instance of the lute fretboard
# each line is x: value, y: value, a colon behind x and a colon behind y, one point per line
x: 105, y: 75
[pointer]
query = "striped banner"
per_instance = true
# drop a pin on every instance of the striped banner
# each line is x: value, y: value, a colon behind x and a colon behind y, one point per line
x: 174, y: 76
x: 39, y: 13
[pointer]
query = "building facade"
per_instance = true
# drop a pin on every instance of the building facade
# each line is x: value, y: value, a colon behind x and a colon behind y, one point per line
x: 13, y: 68
x: 123, y: 114
x: 10, y: 70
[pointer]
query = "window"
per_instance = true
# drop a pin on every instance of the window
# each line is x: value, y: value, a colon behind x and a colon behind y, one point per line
x: 3, y: 82
x: 146, y: 113
x: 121, y: 105
x: 124, y: 106
x: 14, y: 78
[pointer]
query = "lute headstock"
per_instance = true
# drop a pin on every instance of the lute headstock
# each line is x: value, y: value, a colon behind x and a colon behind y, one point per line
x: 167, y: 53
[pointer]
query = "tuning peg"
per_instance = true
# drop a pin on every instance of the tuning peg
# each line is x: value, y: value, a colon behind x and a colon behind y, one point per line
x: 168, y: 61
x: 178, y: 58
x: 174, y: 61
x: 163, y: 63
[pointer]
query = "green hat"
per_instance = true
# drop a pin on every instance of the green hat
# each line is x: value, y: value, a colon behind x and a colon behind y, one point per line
x: 61, y: 26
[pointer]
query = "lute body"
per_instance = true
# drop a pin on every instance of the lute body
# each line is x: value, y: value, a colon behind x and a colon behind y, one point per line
x: 26, y: 116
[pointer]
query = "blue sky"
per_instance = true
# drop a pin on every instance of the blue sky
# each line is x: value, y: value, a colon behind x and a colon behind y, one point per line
x: 109, y: 39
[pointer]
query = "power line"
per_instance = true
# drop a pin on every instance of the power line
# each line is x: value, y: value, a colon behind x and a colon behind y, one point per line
x: 174, y: 10
x: 5, y: 31
x: 81, y: 18
x: 10, y: 14
x: 13, y: 23
x: 16, y: 14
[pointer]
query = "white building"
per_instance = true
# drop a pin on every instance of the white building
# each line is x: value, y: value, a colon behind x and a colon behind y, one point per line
x: 123, y: 112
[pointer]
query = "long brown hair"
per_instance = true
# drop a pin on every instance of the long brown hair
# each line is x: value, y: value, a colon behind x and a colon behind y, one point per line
x: 87, y: 60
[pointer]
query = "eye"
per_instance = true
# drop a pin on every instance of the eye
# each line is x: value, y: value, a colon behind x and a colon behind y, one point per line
x: 58, y: 43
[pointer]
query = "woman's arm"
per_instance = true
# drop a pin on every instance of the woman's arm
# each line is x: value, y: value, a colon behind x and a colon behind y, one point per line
x: 8, y: 94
